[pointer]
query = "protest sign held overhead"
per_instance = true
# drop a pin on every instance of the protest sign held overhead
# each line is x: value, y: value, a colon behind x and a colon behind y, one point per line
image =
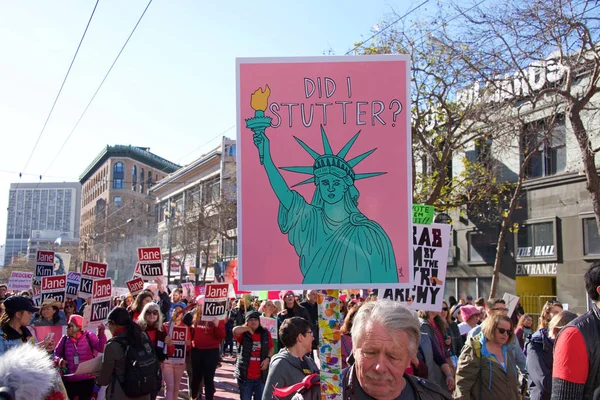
x: 315, y: 135
x: 62, y: 263
x: 179, y: 336
x: 44, y: 263
x: 97, y: 312
x: 73, y: 281
x: 430, y: 255
x: 54, y: 287
x: 150, y: 262
x: 215, y: 301
x: 91, y: 271
x: 269, y: 324
x: 19, y: 280
x: 135, y: 286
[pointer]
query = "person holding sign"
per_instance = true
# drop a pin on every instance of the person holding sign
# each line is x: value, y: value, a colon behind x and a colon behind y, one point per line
x: 173, y: 369
x: 13, y: 325
x: 256, y: 351
x: 74, y: 348
x: 206, y: 342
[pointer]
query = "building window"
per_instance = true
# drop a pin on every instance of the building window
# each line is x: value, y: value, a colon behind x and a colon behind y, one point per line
x: 536, y: 240
x: 149, y: 182
x: 118, y: 175
x: 142, y: 177
x: 551, y: 157
x: 210, y: 191
x: 591, y: 239
x: 482, y: 245
x: 134, y: 178
x: 230, y: 151
x: 117, y: 201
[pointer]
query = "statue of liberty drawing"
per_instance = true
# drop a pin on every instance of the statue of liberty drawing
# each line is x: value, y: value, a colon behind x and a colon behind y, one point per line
x: 334, y: 241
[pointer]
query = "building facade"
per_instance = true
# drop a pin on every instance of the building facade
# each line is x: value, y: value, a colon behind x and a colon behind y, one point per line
x: 118, y: 212
x: 554, y: 237
x: 53, y: 206
x: 197, y: 215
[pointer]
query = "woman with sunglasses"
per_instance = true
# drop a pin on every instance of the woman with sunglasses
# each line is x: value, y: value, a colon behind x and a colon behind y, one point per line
x: 486, y: 367
x: 70, y: 308
x: 453, y: 339
x: 151, y: 322
x: 75, y: 347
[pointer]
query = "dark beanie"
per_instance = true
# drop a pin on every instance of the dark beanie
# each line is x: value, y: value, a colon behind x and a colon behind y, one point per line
x: 253, y: 314
x: 119, y: 316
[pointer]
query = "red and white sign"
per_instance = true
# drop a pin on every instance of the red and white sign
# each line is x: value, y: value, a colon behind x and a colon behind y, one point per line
x: 20, y: 280
x: 137, y: 272
x: 92, y: 269
x: 44, y: 263
x: 100, y: 304
x: 150, y: 262
x: 149, y: 254
x: 135, y: 286
x: 215, y: 301
x: 54, y: 287
x: 179, y: 335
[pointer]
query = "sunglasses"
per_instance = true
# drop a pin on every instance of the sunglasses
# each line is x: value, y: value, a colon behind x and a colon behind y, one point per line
x: 500, y: 309
x: 152, y: 312
x: 444, y: 308
x: 289, y: 295
x: 505, y: 331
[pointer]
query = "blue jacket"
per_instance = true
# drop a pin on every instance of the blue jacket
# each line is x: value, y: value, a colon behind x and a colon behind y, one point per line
x: 10, y: 338
x: 539, y: 364
x: 514, y: 347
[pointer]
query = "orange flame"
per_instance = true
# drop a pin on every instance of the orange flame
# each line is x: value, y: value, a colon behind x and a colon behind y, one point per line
x: 260, y: 99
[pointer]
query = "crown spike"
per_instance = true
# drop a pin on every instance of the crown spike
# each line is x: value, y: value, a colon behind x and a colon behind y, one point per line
x: 309, y: 180
x: 344, y: 151
x: 310, y: 151
x: 368, y: 175
x: 326, y: 146
x: 299, y: 170
x: 356, y: 160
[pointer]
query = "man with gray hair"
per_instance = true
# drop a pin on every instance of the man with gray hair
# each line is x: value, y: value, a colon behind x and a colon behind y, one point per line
x: 386, y: 336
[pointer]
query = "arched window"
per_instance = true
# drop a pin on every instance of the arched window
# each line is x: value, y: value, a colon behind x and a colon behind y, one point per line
x: 142, y: 180
x: 133, y: 178
x: 118, y: 175
x: 149, y: 182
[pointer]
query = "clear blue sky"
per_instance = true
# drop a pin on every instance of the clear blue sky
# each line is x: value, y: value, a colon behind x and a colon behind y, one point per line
x: 172, y: 90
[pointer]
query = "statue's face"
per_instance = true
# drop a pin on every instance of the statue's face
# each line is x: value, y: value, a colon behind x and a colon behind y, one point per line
x: 332, y: 188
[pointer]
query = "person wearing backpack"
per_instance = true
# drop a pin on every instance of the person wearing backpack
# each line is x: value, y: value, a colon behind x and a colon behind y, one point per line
x: 74, y: 348
x: 129, y: 365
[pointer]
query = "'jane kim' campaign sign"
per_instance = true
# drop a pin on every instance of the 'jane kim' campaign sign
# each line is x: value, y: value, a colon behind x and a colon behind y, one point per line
x: 54, y: 287
x: 324, y: 172
x: 215, y: 301
x: 73, y: 282
x: 150, y: 261
x: 430, y: 255
x: 100, y: 303
x: 90, y: 271
x: 179, y: 336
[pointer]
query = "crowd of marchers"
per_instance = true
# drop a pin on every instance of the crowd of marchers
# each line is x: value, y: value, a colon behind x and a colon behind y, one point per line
x: 467, y: 350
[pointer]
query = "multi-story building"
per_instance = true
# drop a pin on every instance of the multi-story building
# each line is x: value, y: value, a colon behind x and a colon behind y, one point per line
x: 117, y: 210
x: 555, y: 236
x: 51, y: 240
x: 197, y: 214
x: 40, y: 206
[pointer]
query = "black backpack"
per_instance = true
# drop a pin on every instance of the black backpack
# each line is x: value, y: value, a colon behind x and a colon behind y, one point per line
x: 143, y: 375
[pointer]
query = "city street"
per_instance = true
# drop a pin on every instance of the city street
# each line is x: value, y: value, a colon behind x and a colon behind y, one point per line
x: 224, y: 382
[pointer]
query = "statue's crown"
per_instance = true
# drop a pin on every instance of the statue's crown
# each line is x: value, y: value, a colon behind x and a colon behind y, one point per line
x: 332, y: 163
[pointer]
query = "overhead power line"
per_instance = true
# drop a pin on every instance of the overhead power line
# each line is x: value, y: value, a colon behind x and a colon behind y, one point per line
x: 99, y: 87
x: 60, y: 90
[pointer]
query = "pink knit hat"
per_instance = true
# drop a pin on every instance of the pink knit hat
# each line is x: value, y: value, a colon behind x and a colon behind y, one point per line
x: 76, y: 320
x: 467, y: 311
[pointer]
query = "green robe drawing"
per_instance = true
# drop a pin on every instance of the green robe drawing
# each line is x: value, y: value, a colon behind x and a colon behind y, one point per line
x: 354, y: 250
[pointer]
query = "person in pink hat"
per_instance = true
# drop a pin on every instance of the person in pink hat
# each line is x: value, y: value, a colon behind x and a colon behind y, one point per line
x: 470, y: 317
x: 77, y: 346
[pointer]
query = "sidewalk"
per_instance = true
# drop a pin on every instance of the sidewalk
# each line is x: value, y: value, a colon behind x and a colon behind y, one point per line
x: 225, y: 383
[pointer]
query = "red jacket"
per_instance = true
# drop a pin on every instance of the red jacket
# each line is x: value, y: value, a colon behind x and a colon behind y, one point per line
x: 207, y: 335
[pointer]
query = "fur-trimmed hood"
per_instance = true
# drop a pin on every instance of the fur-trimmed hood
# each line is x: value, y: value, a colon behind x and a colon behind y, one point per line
x: 28, y: 370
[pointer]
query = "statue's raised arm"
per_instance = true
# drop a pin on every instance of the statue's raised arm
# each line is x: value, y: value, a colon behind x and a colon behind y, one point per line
x: 258, y: 124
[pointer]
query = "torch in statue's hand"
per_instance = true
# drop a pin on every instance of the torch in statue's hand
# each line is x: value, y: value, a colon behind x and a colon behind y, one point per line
x: 259, y: 103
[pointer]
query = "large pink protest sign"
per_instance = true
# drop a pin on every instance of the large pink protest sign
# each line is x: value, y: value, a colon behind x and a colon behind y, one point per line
x: 324, y: 172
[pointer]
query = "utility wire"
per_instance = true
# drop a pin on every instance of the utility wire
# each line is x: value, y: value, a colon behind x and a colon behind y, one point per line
x: 98, y: 89
x: 59, y: 91
x: 387, y: 26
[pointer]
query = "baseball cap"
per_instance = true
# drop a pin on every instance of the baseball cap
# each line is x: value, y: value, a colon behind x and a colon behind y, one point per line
x: 469, y: 297
x: 19, y: 303
x: 253, y: 314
